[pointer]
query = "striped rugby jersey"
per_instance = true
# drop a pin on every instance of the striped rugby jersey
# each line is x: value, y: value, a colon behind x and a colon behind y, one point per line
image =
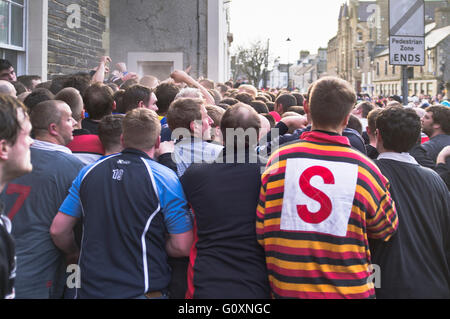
x: 320, y: 201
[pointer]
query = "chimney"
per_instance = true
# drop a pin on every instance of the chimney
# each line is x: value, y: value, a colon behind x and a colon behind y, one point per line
x: 304, y: 55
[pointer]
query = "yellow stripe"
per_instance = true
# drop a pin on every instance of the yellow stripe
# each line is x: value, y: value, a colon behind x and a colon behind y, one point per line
x: 274, y: 203
x: 321, y: 288
x: 364, y: 193
x: 275, y: 184
x: 295, y: 265
x: 273, y: 168
x: 315, y: 245
x: 272, y: 222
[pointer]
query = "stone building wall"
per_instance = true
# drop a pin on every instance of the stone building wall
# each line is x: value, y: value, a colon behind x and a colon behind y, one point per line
x: 73, y: 49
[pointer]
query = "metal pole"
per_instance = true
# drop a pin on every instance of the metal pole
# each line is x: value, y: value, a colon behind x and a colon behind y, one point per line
x: 405, y: 90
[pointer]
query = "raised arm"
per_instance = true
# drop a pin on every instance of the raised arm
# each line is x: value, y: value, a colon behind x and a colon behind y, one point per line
x: 182, y: 77
x: 99, y: 75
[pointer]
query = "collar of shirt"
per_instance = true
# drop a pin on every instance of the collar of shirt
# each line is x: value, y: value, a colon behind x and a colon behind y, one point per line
x: 46, y: 146
x: 136, y: 152
x: 325, y: 137
x: 400, y: 157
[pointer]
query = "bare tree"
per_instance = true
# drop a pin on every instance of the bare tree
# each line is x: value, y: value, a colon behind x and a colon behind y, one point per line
x: 251, y: 61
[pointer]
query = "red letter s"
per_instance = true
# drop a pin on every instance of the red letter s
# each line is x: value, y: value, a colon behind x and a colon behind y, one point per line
x: 312, y: 192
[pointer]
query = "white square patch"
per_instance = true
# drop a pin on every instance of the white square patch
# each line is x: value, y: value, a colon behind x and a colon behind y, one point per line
x: 318, y: 196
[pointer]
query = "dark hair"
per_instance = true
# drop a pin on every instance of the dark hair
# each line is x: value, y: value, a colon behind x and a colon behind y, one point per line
x: 399, y: 128
x: 215, y: 113
x: 36, y: 97
x: 133, y: 95
x: 118, y: 98
x: 215, y: 95
x: 79, y: 81
x: 272, y: 121
x: 299, y: 98
x: 441, y: 116
x: 366, y: 108
x: 27, y: 80
x: 5, y: 64
x: 355, y: 123
x: 110, y: 130
x: 286, y: 100
x: 230, y: 101
x: 223, y: 106
x: 222, y: 88
x: 372, y: 119
x: 128, y: 83
x: 20, y: 88
x: 113, y: 86
x: 259, y: 106
x: 165, y: 93
x: 271, y: 106
x: 98, y: 101
x: 262, y: 98
x: 182, y: 112
x: 244, y: 98
x: 331, y: 101
x: 44, y: 85
x: 297, y: 109
x: 9, y: 123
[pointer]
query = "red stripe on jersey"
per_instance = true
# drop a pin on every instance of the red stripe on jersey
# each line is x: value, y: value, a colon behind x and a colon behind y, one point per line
x: 192, y: 257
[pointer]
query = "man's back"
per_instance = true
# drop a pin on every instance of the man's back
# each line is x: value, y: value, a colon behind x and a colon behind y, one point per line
x: 226, y: 260
x: 129, y: 202
x: 32, y: 202
x: 320, y: 201
x: 435, y: 145
x: 415, y: 263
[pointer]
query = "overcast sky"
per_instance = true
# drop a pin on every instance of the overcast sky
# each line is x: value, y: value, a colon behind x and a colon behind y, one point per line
x: 310, y: 24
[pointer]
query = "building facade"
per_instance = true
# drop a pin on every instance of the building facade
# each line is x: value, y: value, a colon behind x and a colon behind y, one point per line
x: 358, y: 52
x: 309, y: 68
x: 54, y: 37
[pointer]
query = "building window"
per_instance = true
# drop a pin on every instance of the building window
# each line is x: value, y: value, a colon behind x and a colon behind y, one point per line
x: 385, y: 67
x: 12, y: 31
x: 378, y: 68
x: 393, y: 70
x: 359, y: 36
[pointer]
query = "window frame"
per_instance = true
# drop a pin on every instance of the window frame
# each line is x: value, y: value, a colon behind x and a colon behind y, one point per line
x: 9, y: 46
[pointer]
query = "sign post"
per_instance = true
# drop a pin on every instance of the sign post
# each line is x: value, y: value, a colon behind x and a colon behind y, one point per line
x: 406, y: 37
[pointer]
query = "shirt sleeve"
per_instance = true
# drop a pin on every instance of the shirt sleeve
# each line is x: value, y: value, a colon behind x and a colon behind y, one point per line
x: 382, y: 223
x: 173, y: 203
x: 72, y: 204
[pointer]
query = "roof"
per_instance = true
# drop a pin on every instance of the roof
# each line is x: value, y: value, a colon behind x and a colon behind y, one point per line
x: 436, y: 36
x: 430, y: 27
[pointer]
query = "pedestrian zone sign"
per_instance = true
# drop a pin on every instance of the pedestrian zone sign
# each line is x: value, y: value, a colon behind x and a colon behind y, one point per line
x: 407, y: 32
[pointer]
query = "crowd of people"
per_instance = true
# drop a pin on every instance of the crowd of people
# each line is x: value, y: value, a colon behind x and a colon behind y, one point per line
x: 186, y: 188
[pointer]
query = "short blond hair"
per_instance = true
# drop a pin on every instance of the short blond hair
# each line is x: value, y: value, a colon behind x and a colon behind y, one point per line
x: 250, y: 89
x: 141, y: 129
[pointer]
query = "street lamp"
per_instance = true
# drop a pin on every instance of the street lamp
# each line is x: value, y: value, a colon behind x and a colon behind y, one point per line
x: 288, y: 40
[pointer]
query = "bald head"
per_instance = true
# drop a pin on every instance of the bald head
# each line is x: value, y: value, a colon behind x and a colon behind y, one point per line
x: 7, y: 88
x: 73, y: 98
x: 241, y: 116
x: 149, y: 81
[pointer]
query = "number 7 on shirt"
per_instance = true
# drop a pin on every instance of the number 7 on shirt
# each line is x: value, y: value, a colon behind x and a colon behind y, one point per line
x: 23, y: 191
